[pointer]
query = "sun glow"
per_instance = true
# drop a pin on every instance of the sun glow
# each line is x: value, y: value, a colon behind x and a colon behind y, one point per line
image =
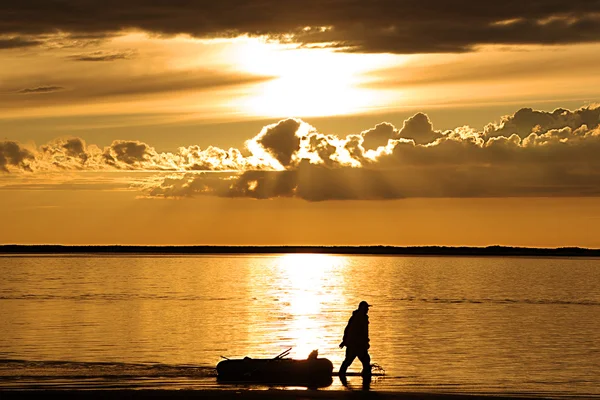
x: 307, y: 82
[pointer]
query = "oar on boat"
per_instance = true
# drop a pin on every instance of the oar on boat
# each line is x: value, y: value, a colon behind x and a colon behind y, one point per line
x: 283, y: 354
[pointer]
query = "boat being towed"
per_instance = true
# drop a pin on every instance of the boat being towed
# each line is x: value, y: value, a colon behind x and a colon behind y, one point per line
x: 313, y: 372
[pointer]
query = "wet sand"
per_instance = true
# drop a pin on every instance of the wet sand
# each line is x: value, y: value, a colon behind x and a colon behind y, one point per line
x: 240, y: 394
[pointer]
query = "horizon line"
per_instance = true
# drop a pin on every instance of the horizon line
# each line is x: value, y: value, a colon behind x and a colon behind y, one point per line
x: 492, y: 250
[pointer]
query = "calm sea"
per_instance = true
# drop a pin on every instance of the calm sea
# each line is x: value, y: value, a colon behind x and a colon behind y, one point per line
x: 442, y: 324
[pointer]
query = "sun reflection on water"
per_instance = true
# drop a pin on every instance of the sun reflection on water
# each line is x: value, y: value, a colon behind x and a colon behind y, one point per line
x: 311, y: 281
x: 302, y: 291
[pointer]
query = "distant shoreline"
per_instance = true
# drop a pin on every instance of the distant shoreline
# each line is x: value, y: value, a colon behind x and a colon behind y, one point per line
x: 492, y: 251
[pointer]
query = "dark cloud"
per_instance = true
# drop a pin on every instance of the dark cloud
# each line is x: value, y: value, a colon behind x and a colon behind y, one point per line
x: 316, y: 183
x: 281, y: 140
x: 396, y: 26
x: 100, y: 56
x: 323, y: 147
x: 527, y: 120
x: 457, y: 163
x: 193, y: 158
x: 530, y: 153
x: 484, y: 70
x: 419, y: 129
x: 190, y: 185
x: 320, y: 183
x: 309, y: 182
x: 356, y: 150
x: 562, y: 147
x: 17, y: 42
x: 128, y: 154
x: 189, y: 80
x: 41, y: 89
x: 379, y: 135
x: 64, y: 40
x: 75, y: 147
x: 12, y: 154
x: 67, y: 153
x: 82, y: 89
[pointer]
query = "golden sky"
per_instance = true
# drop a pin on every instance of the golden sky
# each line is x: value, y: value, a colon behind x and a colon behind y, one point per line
x: 312, y: 122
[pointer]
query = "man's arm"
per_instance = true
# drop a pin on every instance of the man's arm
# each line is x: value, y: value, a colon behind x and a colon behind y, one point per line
x: 346, y: 330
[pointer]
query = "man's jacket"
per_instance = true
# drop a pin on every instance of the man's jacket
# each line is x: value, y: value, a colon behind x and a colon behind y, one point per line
x: 356, y: 334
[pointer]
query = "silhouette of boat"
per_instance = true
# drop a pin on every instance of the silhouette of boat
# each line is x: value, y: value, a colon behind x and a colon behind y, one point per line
x: 313, y: 372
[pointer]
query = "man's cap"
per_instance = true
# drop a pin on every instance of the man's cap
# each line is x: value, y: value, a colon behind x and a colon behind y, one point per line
x: 364, y: 304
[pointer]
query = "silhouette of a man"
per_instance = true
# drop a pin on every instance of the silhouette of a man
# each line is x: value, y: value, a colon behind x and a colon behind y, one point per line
x: 356, y: 340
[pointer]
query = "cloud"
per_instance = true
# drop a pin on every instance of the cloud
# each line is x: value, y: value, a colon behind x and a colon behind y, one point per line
x: 129, y: 155
x: 285, y: 144
x: 494, y: 66
x: 82, y: 89
x: 13, y: 155
x: 66, y: 153
x: 409, y: 26
x: 75, y: 147
x: 188, y: 185
x: 419, y: 129
x: 416, y: 161
x: 189, y: 80
x: 503, y: 167
x: 99, y: 56
x: 41, y: 89
x: 193, y: 158
x: 379, y: 135
x: 17, y: 42
x: 64, y: 180
x: 280, y: 140
x: 529, y: 153
x: 527, y: 120
x: 313, y: 182
x: 70, y: 40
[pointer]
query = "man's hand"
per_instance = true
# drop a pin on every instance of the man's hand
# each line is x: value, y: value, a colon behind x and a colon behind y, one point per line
x: 342, y: 345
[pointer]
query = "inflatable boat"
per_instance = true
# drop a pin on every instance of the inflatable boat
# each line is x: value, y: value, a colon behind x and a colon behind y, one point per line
x: 313, y: 371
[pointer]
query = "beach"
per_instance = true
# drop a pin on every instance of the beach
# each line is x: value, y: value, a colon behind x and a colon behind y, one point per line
x: 241, y: 395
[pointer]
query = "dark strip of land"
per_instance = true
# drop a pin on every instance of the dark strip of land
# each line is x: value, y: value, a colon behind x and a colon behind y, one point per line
x: 492, y: 251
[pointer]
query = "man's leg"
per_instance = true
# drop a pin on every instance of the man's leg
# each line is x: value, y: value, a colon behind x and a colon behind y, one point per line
x: 365, y: 359
x: 344, y: 380
x: 350, y: 356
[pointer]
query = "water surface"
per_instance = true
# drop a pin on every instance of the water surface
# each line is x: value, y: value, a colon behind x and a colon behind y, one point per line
x: 452, y: 324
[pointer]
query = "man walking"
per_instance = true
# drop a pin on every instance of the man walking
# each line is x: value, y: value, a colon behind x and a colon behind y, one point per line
x: 356, y: 340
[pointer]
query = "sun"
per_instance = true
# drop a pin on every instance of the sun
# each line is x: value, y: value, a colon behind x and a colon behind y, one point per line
x: 306, y: 82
